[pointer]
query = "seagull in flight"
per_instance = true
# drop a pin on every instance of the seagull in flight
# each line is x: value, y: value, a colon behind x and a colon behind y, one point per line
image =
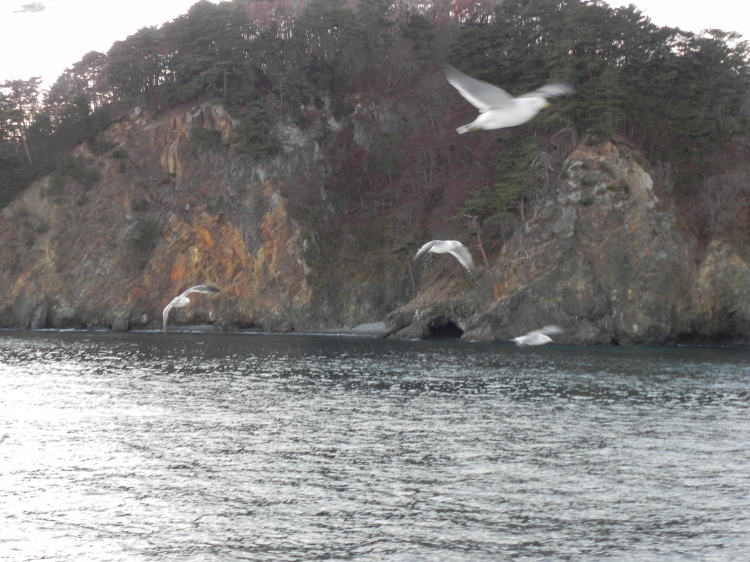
x: 497, y: 108
x: 537, y: 337
x: 183, y: 300
x: 459, y: 251
x: 34, y: 7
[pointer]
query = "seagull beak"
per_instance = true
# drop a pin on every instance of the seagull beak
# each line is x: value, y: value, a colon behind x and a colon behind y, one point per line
x: 546, y: 104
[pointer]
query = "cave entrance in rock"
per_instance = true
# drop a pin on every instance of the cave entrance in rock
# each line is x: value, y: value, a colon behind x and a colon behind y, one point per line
x: 443, y: 328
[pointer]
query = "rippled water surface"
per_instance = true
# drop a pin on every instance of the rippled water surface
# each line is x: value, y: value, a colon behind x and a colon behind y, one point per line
x: 249, y: 447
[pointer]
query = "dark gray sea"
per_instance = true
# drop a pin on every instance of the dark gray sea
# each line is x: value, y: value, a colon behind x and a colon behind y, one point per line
x: 222, y: 447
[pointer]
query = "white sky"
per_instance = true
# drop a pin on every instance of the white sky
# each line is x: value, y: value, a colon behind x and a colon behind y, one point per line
x: 695, y: 15
x: 46, y: 43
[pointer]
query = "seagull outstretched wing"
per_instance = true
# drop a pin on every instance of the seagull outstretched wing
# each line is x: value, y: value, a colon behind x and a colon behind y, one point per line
x: 453, y: 247
x: 424, y: 249
x: 538, y: 337
x: 183, y: 300
x: 34, y: 7
x: 462, y: 254
x: 480, y: 94
x: 551, y: 90
x: 205, y: 289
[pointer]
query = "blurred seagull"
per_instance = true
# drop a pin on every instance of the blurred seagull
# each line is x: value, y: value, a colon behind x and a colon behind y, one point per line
x: 183, y: 300
x: 459, y: 251
x: 33, y: 7
x: 497, y: 108
x: 537, y: 337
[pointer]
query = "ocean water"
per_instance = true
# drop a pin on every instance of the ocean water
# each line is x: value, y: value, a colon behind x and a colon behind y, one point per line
x: 202, y: 447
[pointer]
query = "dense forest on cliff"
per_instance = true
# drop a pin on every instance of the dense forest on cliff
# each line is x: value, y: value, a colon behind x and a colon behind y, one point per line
x: 679, y: 98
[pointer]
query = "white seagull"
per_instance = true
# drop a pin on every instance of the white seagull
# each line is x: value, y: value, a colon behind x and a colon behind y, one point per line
x: 34, y: 7
x: 497, y: 108
x: 459, y: 251
x: 183, y: 300
x: 537, y: 337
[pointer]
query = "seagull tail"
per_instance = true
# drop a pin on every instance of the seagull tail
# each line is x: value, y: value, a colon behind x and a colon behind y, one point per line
x: 464, y: 129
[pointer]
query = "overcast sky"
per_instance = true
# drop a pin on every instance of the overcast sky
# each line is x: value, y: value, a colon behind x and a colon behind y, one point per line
x: 46, y: 43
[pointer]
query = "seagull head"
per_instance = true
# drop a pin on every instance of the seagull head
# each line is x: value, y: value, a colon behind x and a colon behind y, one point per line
x: 534, y: 103
x: 180, y: 302
x: 540, y: 103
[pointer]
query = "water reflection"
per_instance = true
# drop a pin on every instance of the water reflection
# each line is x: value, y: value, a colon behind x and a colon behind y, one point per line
x: 235, y: 447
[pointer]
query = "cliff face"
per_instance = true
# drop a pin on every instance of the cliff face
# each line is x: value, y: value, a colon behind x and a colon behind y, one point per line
x: 600, y: 254
x: 603, y: 258
x: 163, y: 217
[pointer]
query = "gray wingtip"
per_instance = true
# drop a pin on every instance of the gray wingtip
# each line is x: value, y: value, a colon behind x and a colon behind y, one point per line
x: 447, y: 67
x: 450, y: 71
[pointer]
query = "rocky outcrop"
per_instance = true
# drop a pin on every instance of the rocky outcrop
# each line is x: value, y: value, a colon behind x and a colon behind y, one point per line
x: 599, y: 253
x: 165, y: 216
x: 601, y: 256
x: 720, y: 295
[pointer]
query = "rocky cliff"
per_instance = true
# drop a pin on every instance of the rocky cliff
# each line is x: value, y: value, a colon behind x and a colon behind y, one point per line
x: 602, y: 256
x: 164, y: 216
x: 598, y: 253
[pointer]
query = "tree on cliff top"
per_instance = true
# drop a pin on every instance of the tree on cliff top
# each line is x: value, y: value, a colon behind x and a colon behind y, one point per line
x: 676, y: 95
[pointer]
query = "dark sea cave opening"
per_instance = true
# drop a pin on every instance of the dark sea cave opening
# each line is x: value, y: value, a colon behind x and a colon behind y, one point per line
x: 443, y: 328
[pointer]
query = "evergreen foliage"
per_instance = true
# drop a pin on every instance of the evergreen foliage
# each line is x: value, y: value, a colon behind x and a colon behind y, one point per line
x: 677, y: 96
x: 205, y: 138
x: 496, y: 203
x: 254, y: 134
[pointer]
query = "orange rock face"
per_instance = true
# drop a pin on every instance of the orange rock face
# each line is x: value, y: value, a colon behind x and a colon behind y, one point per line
x: 121, y: 251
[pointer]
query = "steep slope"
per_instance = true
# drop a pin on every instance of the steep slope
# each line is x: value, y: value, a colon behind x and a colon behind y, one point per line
x: 599, y: 252
x: 602, y: 256
x: 164, y: 216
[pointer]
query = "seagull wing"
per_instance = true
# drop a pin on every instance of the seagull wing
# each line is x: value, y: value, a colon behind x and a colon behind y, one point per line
x: 206, y: 289
x: 462, y: 254
x: 424, y: 249
x: 165, y: 314
x: 35, y: 7
x: 547, y: 331
x: 480, y: 94
x: 551, y: 90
